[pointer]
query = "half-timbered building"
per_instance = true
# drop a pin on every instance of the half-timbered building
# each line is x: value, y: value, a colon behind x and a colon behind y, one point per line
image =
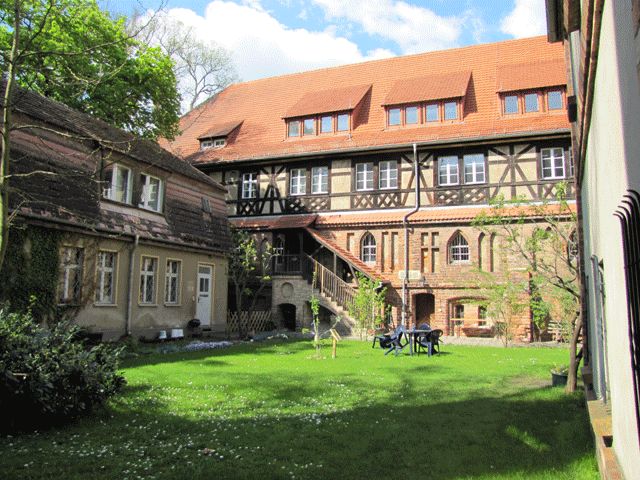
x: 380, y: 167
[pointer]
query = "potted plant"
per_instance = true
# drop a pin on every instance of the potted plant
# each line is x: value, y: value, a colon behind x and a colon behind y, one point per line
x: 559, y: 375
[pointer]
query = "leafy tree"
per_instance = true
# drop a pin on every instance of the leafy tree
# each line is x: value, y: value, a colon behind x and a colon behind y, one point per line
x: 74, y: 52
x: 202, y: 69
x: 248, y: 267
x: 548, y: 251
x: 368, y: 305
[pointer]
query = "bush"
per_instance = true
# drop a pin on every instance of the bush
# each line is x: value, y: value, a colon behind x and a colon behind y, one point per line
x: 48, y: 376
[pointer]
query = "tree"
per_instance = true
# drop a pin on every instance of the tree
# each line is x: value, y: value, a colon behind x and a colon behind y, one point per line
x: 72, y: 51
x: 548, y: 251
x: 368, y: 306
x: 248, y: 267
x: 202, y: 69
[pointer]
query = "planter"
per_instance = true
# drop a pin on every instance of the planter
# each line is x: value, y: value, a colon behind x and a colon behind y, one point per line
x: 558, y: 379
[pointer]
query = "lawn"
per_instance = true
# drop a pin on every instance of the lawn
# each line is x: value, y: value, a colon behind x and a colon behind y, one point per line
x: 272, y: 410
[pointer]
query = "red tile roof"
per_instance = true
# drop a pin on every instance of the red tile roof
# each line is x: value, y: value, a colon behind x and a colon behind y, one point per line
x: 273, y: 223
x: 431, y: 215
x: 433, y: 87
x: 263, y: 104
x: 327, y: 101
x: 526, y: 76
x: 221, y: 130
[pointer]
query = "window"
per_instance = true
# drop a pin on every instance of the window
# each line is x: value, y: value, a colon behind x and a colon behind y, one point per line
x: 432, y: 112
x: 148, y: 269
x: 394, y: 117
x: 106, y: 278
x: 474, y: 168
x: 298, y: 181
x: 70, y: 283
x: 531, y: 102
x: 343, y: 122
x: 554, y: 100
x: 364, y: 176
x: 448, y: 171
x: 388, y: 174
x: 458, y: 311
x: 451, y: 110
x: 411, y: 115
x: 117, y: 183
x: 152, y: 191
x: 172, y: 282
x: 249, y: 185
x: 320, y: 180
x: 368, y: 249
x: 326, y: 124
x: 458, y: 249
x: 552, y: 163
x: 294, y: 128
x: 212, y: 143
x: 309, y: 126
x: 511, y: 104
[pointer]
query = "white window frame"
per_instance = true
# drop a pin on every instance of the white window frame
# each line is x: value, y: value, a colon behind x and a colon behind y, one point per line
x: 553, y: 159
x: 319, y: 180
x: 448, y: 170
x: 477, y: 170
x: 364, y: 177
x: 148, y: 276
x: 145, y: 180
x: 71, y: 267
x: 297, y: 181
x: 109, y: 192
x: 172, y: 277
x: 368, y: 249
x: 388, y: 175
x: 102, y: 273
x: 249, y: 187
x: 459, y: 251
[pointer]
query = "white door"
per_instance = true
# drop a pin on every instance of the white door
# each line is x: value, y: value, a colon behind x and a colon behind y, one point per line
x: 203, y: 299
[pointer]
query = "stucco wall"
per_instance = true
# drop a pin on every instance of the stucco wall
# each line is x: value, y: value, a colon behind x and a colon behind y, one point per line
x: 148, y: 320
x: 611, y: 167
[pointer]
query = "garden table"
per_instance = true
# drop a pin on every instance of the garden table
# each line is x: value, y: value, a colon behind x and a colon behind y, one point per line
x: 414, y: 334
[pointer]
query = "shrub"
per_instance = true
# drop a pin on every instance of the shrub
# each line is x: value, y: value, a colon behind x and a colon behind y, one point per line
x: 48, y: 376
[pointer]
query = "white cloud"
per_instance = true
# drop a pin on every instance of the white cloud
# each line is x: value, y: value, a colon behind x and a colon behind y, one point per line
x: 261, y: 46
x: 527, y: 19
x: 413, y: 28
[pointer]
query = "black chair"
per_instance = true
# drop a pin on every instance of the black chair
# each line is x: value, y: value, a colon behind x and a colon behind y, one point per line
x: 431, y: 341
x: 396, y: 341
x: 381, y: 339
x: 421, y: 336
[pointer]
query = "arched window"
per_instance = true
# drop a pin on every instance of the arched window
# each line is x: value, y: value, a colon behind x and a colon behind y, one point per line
x: 458, y: 249
x: 368, y: 249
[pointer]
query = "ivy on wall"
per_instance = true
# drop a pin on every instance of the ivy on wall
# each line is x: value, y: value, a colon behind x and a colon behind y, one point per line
x: 31, y: 269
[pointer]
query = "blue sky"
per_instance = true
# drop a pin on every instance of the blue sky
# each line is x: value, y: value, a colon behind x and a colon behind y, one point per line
x: 273, y: 37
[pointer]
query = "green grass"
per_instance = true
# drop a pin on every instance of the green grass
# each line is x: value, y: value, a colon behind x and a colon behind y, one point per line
x: 272, y: 411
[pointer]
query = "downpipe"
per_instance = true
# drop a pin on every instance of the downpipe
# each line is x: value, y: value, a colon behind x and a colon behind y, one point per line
x: 405, y: 224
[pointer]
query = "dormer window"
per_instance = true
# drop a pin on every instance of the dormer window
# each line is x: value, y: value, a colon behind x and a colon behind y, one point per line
x: 324, y: 113
x: 218, y: 135
x: 117, y: 183
x: 427, y: 100
x: 212, y: 143
x: 152, y: 193
x: 554, y: 100
x: 537, y: 101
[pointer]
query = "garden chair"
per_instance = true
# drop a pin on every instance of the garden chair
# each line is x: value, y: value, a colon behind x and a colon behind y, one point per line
x: 430, y: 342
x: 396, y: 341
x: 421, y: 336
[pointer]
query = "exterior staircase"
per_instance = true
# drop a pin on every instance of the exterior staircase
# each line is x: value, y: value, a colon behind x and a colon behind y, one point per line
x: 333, y: 293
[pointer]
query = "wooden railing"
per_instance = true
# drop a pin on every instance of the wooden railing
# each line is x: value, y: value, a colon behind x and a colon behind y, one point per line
x: 332, y: 286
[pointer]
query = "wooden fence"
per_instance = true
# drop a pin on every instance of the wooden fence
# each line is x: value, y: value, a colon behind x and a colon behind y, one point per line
x: 257, y: 321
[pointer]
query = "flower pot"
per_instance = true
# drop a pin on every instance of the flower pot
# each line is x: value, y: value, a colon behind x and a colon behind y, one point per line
x: 558, y: 379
